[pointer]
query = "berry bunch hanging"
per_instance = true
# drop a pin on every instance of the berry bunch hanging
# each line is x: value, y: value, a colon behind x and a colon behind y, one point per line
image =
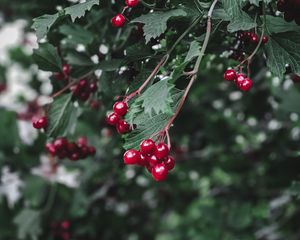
x: 40, y: 122
x: 61, y: 230
x: 64, y: 74
x: 83, y: 89
x: 62, y: 148
x: 291, y: 10
x: 242, y: 81
x: 117, y: 118
x: 119, y: 20
x: 154, y: 157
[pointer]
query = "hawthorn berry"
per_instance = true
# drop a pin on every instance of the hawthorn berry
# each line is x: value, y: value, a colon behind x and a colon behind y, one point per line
x: 132, y: 3
x: 50, y: 148
x: 239, y: 79
x: 118, y: 20
x: 265, y: 39
x: 161, y: 151
x: 82, y: 141
x: 66, y: 69
x: 169, y: 162
x: 132, y: 157
x: 230, y: 75
x: 254, y: 38
x: 112, y: 119
x: 60, y: 143
x: 153, y: 160
x: 92, y: 150
x: 40, y: 123
x: 120, y: 108
x: 93, y: 87
x: 159, y: 172
x: 147, y: 146
x: 245, y: 85
x: 123, y: 127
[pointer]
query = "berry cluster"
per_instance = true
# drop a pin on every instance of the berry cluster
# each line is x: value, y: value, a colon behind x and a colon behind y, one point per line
x: 40, y: 122
x: 64, y: 74
x: 61, y: 230
x: 244, y: 40
x: 242, y: 81
x: 154, y: 157
x: 83, y: 89
x: 291, y: 10
x: 62, y: 148
x: 119, y: 20
x: 116, y: 118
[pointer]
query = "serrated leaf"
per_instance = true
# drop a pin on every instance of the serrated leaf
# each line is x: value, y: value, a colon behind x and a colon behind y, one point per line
x: 278, y: 25
x: 220, y: 14
x: 28, y: 224
x: 155, y: 23
x: 283, y: 49
x: 78, y: 10
x: 147, y: 126
x: 157, y: 98
x: 61, y: 116
x: 239, y: 20
x: 77, y: 34
x: 193, y: 52
x: 43, y: 24
x: 47, y: 58
x: 79, y: 59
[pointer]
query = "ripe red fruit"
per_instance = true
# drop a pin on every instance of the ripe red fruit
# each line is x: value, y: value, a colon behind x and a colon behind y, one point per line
x: 159, y: 172
x: 230, y: 75
x: 169, y: 163
x: 50, y: 148
x: 75, y: 156
x: 82, y: 141
x: 246, y: 85
x: 92, y: 150
x: 132, y: 3
x: 265, y: 39
x: 66, y: 69
x: 93, y: 87
x: 147, y: 146
x: 144, y: 160
x: 118, y: 20
x: 65, y: 224
x: 132, y: 157
x: 153, y: 161
x: 120, y: 108
x: 254, y: 38
x: 161, y: 151
x: 60, y: 144
x: 40, y: 123
x: 239, y: 79
x: 84, y: 96
x: 123, y: 127
x: 112, y: 119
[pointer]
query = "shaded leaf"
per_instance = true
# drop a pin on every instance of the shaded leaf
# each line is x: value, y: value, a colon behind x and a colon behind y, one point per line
x: 78, y: 10
x: 43, y: 24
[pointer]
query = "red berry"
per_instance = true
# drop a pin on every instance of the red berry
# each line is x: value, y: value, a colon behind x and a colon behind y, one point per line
x: 254, y: 38
x: 161, y: 151
x: 84, y: 151
x: 153, y: 160
x: 169, y: 163
x: 92, y: 150
x: 93, y: 87
x: 132, y: 157
x: 144, y: 160
x: 60, y: 144
x: 82, y: 141
x: 246, y: 85
x: 159, y: 172
x: 82, y: 84
x: 230, y: 75
x: 123, y: 127
x: 118, y: 20
x: 265, y: 39
x: 75, y: 156
x: 76, y: 90
x: 120, y: 108
x: 239, y: 79
x: 132, y: 3
x: 112, y: 119
x: 66, y: 69
x: 65, y: 225
x: 50, y: 148
x: 94, y: 104
x: 71, y: 148
x: 147, y: 146
x: 40, y: 123
x: 84, y: 96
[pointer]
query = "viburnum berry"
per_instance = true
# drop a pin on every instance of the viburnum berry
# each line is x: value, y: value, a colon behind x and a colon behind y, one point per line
x: 147, y: 146
x: 230, y: 75
x: 40, y: 123
x: 132, y: 3
x: 120, y: 108
x: 245, y: 85
x: 123, y: 127
x: 159, y: 172
x: 132, y: 157
x: 112, y: 119
x: 161, y: 151
x: 118, y: 20
x: 169, y: 162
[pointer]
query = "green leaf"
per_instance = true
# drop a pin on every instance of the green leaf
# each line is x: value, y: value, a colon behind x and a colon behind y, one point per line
x: 283, y: 49
x: 110, y: 65
x: 43, y: 24
x: 220, y: 14
x: 78, y: 58
x: 77, y: 34
x: 148, y: 125
x: 61, y: 116
x: 47, y: 58
x: 295, y: 189
x: 239, y: 19
x: 34, y: 185
x: 193, y: 52
x: 156, y: 22
x: 78, y: 10
x: 28, y: 223
x: 278, y: 25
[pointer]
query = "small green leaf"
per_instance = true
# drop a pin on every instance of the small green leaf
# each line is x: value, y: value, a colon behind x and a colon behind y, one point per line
x: 156, y: 22
x: 61, y: 116
x: 283, y: 49
x: 278, y: 25
x: 78, y: 10
x: 47, y: 58
x: 43, y: 24
x: 28, y: 223
x: 79, y: 58
x: 193, y: 52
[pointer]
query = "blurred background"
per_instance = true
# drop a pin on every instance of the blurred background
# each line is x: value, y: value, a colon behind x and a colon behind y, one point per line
x: 237, y: 171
